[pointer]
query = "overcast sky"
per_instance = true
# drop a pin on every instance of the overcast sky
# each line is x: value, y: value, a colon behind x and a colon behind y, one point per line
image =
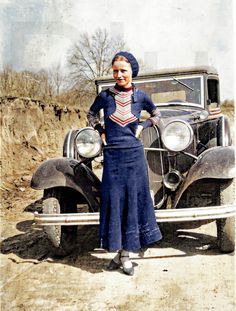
x: 35, y: 34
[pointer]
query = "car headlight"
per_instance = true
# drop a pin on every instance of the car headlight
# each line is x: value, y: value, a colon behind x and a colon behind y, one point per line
x: 177, y: 135
x: 88, y: 142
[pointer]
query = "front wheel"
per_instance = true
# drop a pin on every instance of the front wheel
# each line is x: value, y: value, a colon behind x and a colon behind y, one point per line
x: 56, y: 201
x: 226, y: 234
x: 226, y: 226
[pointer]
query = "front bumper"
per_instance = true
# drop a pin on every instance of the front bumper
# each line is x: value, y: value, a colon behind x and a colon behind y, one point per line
x: 169, y: 215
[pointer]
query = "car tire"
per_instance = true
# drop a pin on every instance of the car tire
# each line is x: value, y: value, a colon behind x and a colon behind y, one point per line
x: 63, y: 238
x: 226, y: 226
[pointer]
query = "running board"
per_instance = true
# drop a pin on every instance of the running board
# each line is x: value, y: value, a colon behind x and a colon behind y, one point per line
x: 170, y: 215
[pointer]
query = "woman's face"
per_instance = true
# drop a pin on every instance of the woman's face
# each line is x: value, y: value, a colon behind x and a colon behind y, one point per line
x: 122, y: 73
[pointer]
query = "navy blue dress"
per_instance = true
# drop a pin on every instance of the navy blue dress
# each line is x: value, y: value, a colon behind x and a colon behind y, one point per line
x: 127, y: 219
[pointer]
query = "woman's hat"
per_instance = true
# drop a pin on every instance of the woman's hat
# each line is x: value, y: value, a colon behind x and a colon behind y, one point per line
x: 132, y: 60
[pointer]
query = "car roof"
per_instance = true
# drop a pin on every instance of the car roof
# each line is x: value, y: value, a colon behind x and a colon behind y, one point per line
x: 166, y: 72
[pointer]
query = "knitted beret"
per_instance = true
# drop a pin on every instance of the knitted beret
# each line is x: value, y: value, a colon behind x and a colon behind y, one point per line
x: 132, y: 60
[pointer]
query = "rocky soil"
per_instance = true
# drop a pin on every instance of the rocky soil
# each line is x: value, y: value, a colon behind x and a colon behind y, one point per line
x: 184, y: 272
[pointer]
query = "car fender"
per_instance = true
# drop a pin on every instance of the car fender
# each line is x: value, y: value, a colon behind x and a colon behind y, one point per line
x: 67, y: 172
x: 217, y: 162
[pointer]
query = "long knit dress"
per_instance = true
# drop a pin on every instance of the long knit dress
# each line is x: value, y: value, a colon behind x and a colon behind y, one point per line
x: 127, y: 219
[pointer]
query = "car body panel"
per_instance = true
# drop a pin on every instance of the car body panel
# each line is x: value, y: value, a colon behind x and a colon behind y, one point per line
x: 67, y: 172
x: 216, y: 163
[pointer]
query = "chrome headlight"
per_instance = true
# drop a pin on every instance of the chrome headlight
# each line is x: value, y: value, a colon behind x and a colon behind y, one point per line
x: 177, y: 135
x: 88, y: 143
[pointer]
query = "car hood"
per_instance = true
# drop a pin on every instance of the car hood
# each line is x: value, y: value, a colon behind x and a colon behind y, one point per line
x: 183, y: 113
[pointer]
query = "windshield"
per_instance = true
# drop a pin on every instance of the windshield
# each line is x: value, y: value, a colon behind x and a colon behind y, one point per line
x: 171, y: 90
x: 174, y: 89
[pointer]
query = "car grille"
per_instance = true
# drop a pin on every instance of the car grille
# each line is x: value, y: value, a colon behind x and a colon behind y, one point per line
x: 155, y: 161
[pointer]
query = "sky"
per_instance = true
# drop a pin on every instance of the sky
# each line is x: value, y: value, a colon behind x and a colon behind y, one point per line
x: 36, y: 34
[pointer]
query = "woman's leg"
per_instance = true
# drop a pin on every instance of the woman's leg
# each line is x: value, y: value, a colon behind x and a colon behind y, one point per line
x: 126, y: 263
x: 117, y: 258
x: 125, y: 260
x: 122, y: 259
x: 115, y: 263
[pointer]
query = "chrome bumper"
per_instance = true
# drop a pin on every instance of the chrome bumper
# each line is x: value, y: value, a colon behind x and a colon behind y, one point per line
x: 170, y: 215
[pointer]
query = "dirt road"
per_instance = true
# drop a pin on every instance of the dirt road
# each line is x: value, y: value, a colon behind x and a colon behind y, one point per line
x: 180, y: 273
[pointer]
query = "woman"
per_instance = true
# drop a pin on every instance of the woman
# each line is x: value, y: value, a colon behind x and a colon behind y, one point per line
x: 127, y: 219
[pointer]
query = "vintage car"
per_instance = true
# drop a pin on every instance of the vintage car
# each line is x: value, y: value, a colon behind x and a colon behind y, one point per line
x: 189, y: 154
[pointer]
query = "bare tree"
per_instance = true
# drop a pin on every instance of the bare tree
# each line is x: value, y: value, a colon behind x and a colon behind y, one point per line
x: 90, y: 57
x: 57, y: 77
x: 25, y: 84
x: 6, y: 80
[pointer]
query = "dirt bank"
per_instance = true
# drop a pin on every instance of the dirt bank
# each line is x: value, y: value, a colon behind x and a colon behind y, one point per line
x: 32, y: 131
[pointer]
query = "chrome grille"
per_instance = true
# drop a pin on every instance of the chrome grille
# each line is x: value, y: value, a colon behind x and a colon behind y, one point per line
x: 150, y: 138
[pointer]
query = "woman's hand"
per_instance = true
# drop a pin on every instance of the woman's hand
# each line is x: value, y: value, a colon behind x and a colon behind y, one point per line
x: 103, y: 138
x: 138, y: 131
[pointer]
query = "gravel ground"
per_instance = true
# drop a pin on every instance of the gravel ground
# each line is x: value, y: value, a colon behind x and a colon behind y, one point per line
x: 183, y: 272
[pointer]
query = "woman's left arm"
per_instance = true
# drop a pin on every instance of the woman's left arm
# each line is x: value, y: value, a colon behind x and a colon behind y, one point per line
x: 154, y: 112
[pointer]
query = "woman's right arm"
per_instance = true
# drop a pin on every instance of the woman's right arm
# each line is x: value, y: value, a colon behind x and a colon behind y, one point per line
x: 93, y: 117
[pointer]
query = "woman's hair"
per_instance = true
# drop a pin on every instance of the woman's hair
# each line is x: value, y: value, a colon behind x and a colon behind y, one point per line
x: 119, y: 57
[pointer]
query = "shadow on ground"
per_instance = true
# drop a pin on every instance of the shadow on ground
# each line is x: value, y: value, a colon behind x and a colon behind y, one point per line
x: 33, y: 245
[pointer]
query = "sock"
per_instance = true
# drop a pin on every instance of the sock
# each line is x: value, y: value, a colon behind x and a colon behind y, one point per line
x: 126, y: 263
